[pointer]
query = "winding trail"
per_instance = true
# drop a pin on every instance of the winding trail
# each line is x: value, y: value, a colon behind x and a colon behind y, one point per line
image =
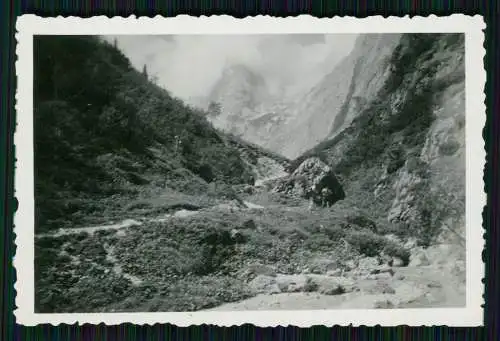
x: 183, y: 213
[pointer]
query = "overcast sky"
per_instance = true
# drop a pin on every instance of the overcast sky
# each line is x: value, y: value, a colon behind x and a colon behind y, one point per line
x: 188, y: 65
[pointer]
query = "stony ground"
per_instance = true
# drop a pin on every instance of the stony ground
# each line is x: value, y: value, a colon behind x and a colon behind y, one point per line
x: 262, y: 252
x: 433, y: 285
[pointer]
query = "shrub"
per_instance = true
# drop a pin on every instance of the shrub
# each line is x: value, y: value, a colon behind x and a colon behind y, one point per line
x: 366, y: 242
x: 395, y: 250
x: 363, y: 222
x: 319, y: 242
x: 310, y: 285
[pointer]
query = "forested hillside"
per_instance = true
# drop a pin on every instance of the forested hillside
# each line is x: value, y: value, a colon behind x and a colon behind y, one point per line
x: 102, y: 128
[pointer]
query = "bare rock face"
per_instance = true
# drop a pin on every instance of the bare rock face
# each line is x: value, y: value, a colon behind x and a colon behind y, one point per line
x: 312, y: 179
x: 338, y: 97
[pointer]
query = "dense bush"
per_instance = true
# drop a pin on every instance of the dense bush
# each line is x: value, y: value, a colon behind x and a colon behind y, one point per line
x: 366, y: 242
x: 310, y: 285
x: 370, y: 244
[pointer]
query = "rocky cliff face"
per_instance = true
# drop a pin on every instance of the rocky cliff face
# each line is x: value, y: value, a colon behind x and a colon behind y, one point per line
x: 400, y: 152
x: 332, y: 104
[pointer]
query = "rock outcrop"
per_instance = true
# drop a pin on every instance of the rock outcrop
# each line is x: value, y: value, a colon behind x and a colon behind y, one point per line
x: 315, y: 180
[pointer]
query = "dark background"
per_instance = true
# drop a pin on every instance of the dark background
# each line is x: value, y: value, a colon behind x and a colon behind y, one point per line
x: 9, y: 11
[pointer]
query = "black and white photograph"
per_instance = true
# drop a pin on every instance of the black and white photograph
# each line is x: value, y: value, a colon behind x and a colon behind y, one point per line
x: 250, y: 172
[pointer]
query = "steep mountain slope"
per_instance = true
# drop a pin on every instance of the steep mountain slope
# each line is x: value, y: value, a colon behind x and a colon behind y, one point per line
x: 331, y: 103
x: 402, y: 153
x: 103, y: 129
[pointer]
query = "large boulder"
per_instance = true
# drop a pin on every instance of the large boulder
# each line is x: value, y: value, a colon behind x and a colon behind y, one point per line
x: 313, y: 179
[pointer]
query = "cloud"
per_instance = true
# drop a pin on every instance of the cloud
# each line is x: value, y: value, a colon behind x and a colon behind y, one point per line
x: 189, y: 65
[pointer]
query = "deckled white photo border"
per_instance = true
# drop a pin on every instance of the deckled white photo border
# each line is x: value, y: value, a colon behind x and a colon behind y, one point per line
x: 29, y: 25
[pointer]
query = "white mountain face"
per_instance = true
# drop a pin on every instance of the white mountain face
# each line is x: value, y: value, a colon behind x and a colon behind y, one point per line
x: 240, y: 91
x: 249, y: 106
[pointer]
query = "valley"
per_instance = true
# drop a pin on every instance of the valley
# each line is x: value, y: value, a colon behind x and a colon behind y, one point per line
x: 352, y: 198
